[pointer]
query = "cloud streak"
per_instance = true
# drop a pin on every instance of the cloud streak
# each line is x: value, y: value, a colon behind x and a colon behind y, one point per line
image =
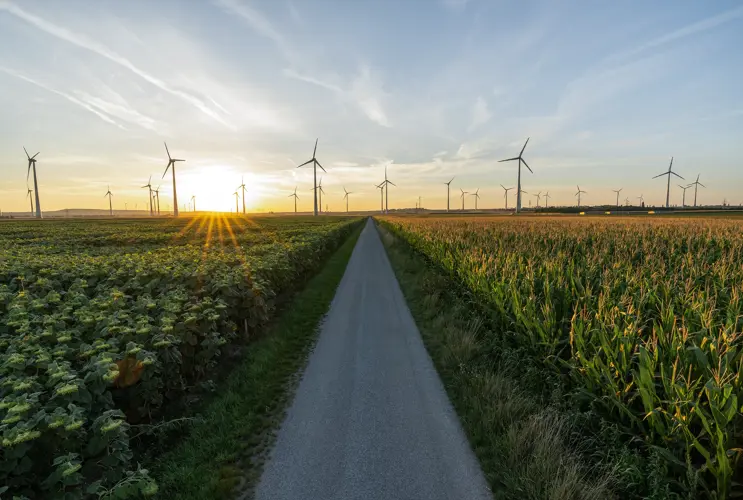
x: 84, y: 42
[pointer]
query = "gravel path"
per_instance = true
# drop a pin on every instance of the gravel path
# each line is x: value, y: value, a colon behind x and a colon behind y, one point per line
x: 371, y: 419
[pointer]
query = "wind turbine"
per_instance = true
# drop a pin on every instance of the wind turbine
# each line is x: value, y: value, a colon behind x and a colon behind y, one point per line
x: 683, y: 199
x: 149, y: 187
x: 419, y: 202
x: 464, y: 193
x: 294, y: 194
x: 476, y: 194
x: 447, y: 193
x: 237, y: 202
x: 157, y: 199
x: 171, y: 163
x: 538, y: 196
x: 626, y: 201
x: 30, y: 199
x: 546, y: 199
x: 518, y: 185
x: 32, y: 164
x: 618, y: 191
x: 668, y: 173
x: 578, y: 194
x: 321, y: 191
x: 193, y: 200
x: 505, y: 194
x: 642, y: 200
x: 696, y: 184
x: 381, y: 196
x: 242, y: 186
x: 315, y: 164
x: 345, y: 196
x: 387, y: 191
x: 110, y: 203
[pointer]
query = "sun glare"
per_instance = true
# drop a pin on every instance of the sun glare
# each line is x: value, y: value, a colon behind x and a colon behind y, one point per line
x: 214, y: 188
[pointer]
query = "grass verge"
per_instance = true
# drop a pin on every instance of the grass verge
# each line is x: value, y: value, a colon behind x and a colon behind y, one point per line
x: 527, y: 447
x: 223, y: 452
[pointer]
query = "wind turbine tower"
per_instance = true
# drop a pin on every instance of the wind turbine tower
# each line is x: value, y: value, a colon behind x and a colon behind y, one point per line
x: 381, y: 196
x: 447, y: 193
x: 193, y: 200
x: 669, y: 172
x: 696, y: 184
x: 617, y: 191
x: 547, y: 199
x: 157, y: 199
x: 315, y: 164
x: 476, y: 194
x: 386, y: 184
x: 29, y: 194
x: 243, y: 188
x: 149, y: 190
x: 171, y: 163
x: 683, y: 198
x: 237, y: 202
x: 464, y: 193
x: 518, y: 185
x: 538, y: 196
x: 505, y: 194
x: 345, y: 196
x: 110, y: 202
x: 32, y: 164
x: 294, y: 195
x: 578, y: 193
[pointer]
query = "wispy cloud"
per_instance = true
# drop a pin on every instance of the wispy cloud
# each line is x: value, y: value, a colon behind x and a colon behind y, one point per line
x: 65, y: 95
x: 366, y: 91
x: 87, y: 43
x: 480, y: 113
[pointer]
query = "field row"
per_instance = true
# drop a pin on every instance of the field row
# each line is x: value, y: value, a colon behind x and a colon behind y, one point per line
x: 641, y: 320
x: 101, y: 328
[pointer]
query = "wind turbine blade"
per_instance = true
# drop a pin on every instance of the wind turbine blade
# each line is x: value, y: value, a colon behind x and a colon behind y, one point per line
x: 451, y: 180
x: 318, y: 164
x: 677, y: 175
x: 390, y: 182
x: 508, y: 159
x: 305, y: 163
x: 166, y: 170
x: 522, y: 149
x: 28, y: 172
x: 166, y: 150
x: 24, y: 149
x: 504, y: 187
x: 527, y: 165
x: 660, y: 175
x: 702, y: 185
x: 314, y: 151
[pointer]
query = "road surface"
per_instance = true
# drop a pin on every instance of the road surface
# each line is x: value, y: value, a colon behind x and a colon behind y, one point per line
x: 371, y: 419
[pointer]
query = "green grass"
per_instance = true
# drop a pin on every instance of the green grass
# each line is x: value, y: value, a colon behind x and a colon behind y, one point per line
x: 224, y: 452
x: 525, y: 444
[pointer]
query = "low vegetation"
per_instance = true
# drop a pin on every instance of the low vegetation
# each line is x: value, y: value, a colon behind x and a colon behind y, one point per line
x: 104, y: 325
x: 632, y: 328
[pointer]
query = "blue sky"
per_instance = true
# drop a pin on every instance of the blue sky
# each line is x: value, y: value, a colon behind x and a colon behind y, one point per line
x: 607, y: 91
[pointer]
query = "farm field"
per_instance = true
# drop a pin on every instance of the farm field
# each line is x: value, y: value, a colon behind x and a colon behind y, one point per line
x: 638, y: 320
x: 104, y: 324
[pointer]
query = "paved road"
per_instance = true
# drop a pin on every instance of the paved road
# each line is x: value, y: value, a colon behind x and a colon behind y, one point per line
x: 370, y: 419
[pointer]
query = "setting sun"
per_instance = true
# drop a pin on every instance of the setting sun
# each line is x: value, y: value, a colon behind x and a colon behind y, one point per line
x: 214, y: 188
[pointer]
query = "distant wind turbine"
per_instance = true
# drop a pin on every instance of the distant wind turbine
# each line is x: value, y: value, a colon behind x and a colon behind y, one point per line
x: 626, y: 201
x: 193, y: 200
x: 578, y: 193
x: 386, y: 183
x: 381, y: 196
x: 476, y: 194
x: 683, y: 198
x: 518, y: 185
x: 538, y: 196
x: 157, y: 199
x: 505, y: 194
x: 315, y: 164
x: 321, y: 192
x: 294, y: 194
x: 171, y: 163
x: 110, y: 202
x: 32, y: 164
x: 242, y: 187
x: 618, y: 191
x: 447, y: 193
x: 345, y: 196
x: 464, y: 193
x: 669, y: 172
x: 642, y: 200
x: 149, y: 188
x: 547, y: 199
x: 696, y: 184
x: 237, y: 202
x: 29, y: 194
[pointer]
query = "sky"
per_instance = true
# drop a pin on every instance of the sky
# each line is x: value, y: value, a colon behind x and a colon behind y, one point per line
x: 608, y: 92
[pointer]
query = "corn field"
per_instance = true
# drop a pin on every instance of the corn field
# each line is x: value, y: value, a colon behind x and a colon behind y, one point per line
x: 642, y: 316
